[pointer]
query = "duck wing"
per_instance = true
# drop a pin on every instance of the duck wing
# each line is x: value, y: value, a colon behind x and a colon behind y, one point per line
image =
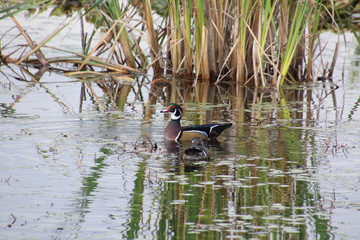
x: 204, y: 131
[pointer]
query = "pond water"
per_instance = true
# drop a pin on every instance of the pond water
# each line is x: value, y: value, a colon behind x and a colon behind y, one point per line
x: 74, y: 166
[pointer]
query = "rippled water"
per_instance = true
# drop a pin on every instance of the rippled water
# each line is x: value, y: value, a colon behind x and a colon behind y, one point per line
x: 287, y: 169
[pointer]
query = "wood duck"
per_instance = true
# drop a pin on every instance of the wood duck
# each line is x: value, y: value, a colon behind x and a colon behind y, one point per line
x: 197, y: 151
x: 175, y: 132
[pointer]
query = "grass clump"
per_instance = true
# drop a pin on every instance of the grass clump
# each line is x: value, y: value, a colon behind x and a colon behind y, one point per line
x: 256, y: 42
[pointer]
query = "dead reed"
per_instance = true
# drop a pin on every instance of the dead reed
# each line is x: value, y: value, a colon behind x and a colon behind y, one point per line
x: 255, y: 42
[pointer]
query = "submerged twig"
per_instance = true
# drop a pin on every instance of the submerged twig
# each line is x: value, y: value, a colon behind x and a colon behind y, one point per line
x: 14, y: 220
x: 80, y: 158
x: 333, y: 63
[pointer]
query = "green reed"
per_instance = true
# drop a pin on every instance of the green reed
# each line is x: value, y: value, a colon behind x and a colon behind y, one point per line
x: 255, y: 42
x: 251, y: 42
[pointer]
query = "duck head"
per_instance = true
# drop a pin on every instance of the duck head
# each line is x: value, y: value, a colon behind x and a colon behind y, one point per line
x: 175, y: 110
x: 197, y: 151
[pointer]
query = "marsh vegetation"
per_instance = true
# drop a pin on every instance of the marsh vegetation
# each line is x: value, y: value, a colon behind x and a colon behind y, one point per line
x: 82, y: 143
x: 254, y: 43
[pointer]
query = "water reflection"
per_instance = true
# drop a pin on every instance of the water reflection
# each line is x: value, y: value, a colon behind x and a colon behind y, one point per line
x: 71, y: 226
x: 258, y: 183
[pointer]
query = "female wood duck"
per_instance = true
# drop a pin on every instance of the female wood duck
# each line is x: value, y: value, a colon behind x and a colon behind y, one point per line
x: 197, y: 151
x: 175, y: 132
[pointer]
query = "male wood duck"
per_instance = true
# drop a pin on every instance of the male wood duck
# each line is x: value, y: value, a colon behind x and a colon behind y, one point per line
x: 197, y: 151
x: 175, y: 132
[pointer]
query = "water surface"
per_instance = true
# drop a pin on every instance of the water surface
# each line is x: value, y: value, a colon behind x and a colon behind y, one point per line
x: 76, y: 164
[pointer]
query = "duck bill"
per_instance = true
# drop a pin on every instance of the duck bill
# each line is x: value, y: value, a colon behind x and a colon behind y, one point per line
x: 165, y: 110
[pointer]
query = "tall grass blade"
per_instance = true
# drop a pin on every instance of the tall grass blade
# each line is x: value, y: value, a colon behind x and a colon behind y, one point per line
x: 294, y: 37
x: 187, y: 32
x: 154, y: 50
x: 174, y: 33
x: 202, y: 64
